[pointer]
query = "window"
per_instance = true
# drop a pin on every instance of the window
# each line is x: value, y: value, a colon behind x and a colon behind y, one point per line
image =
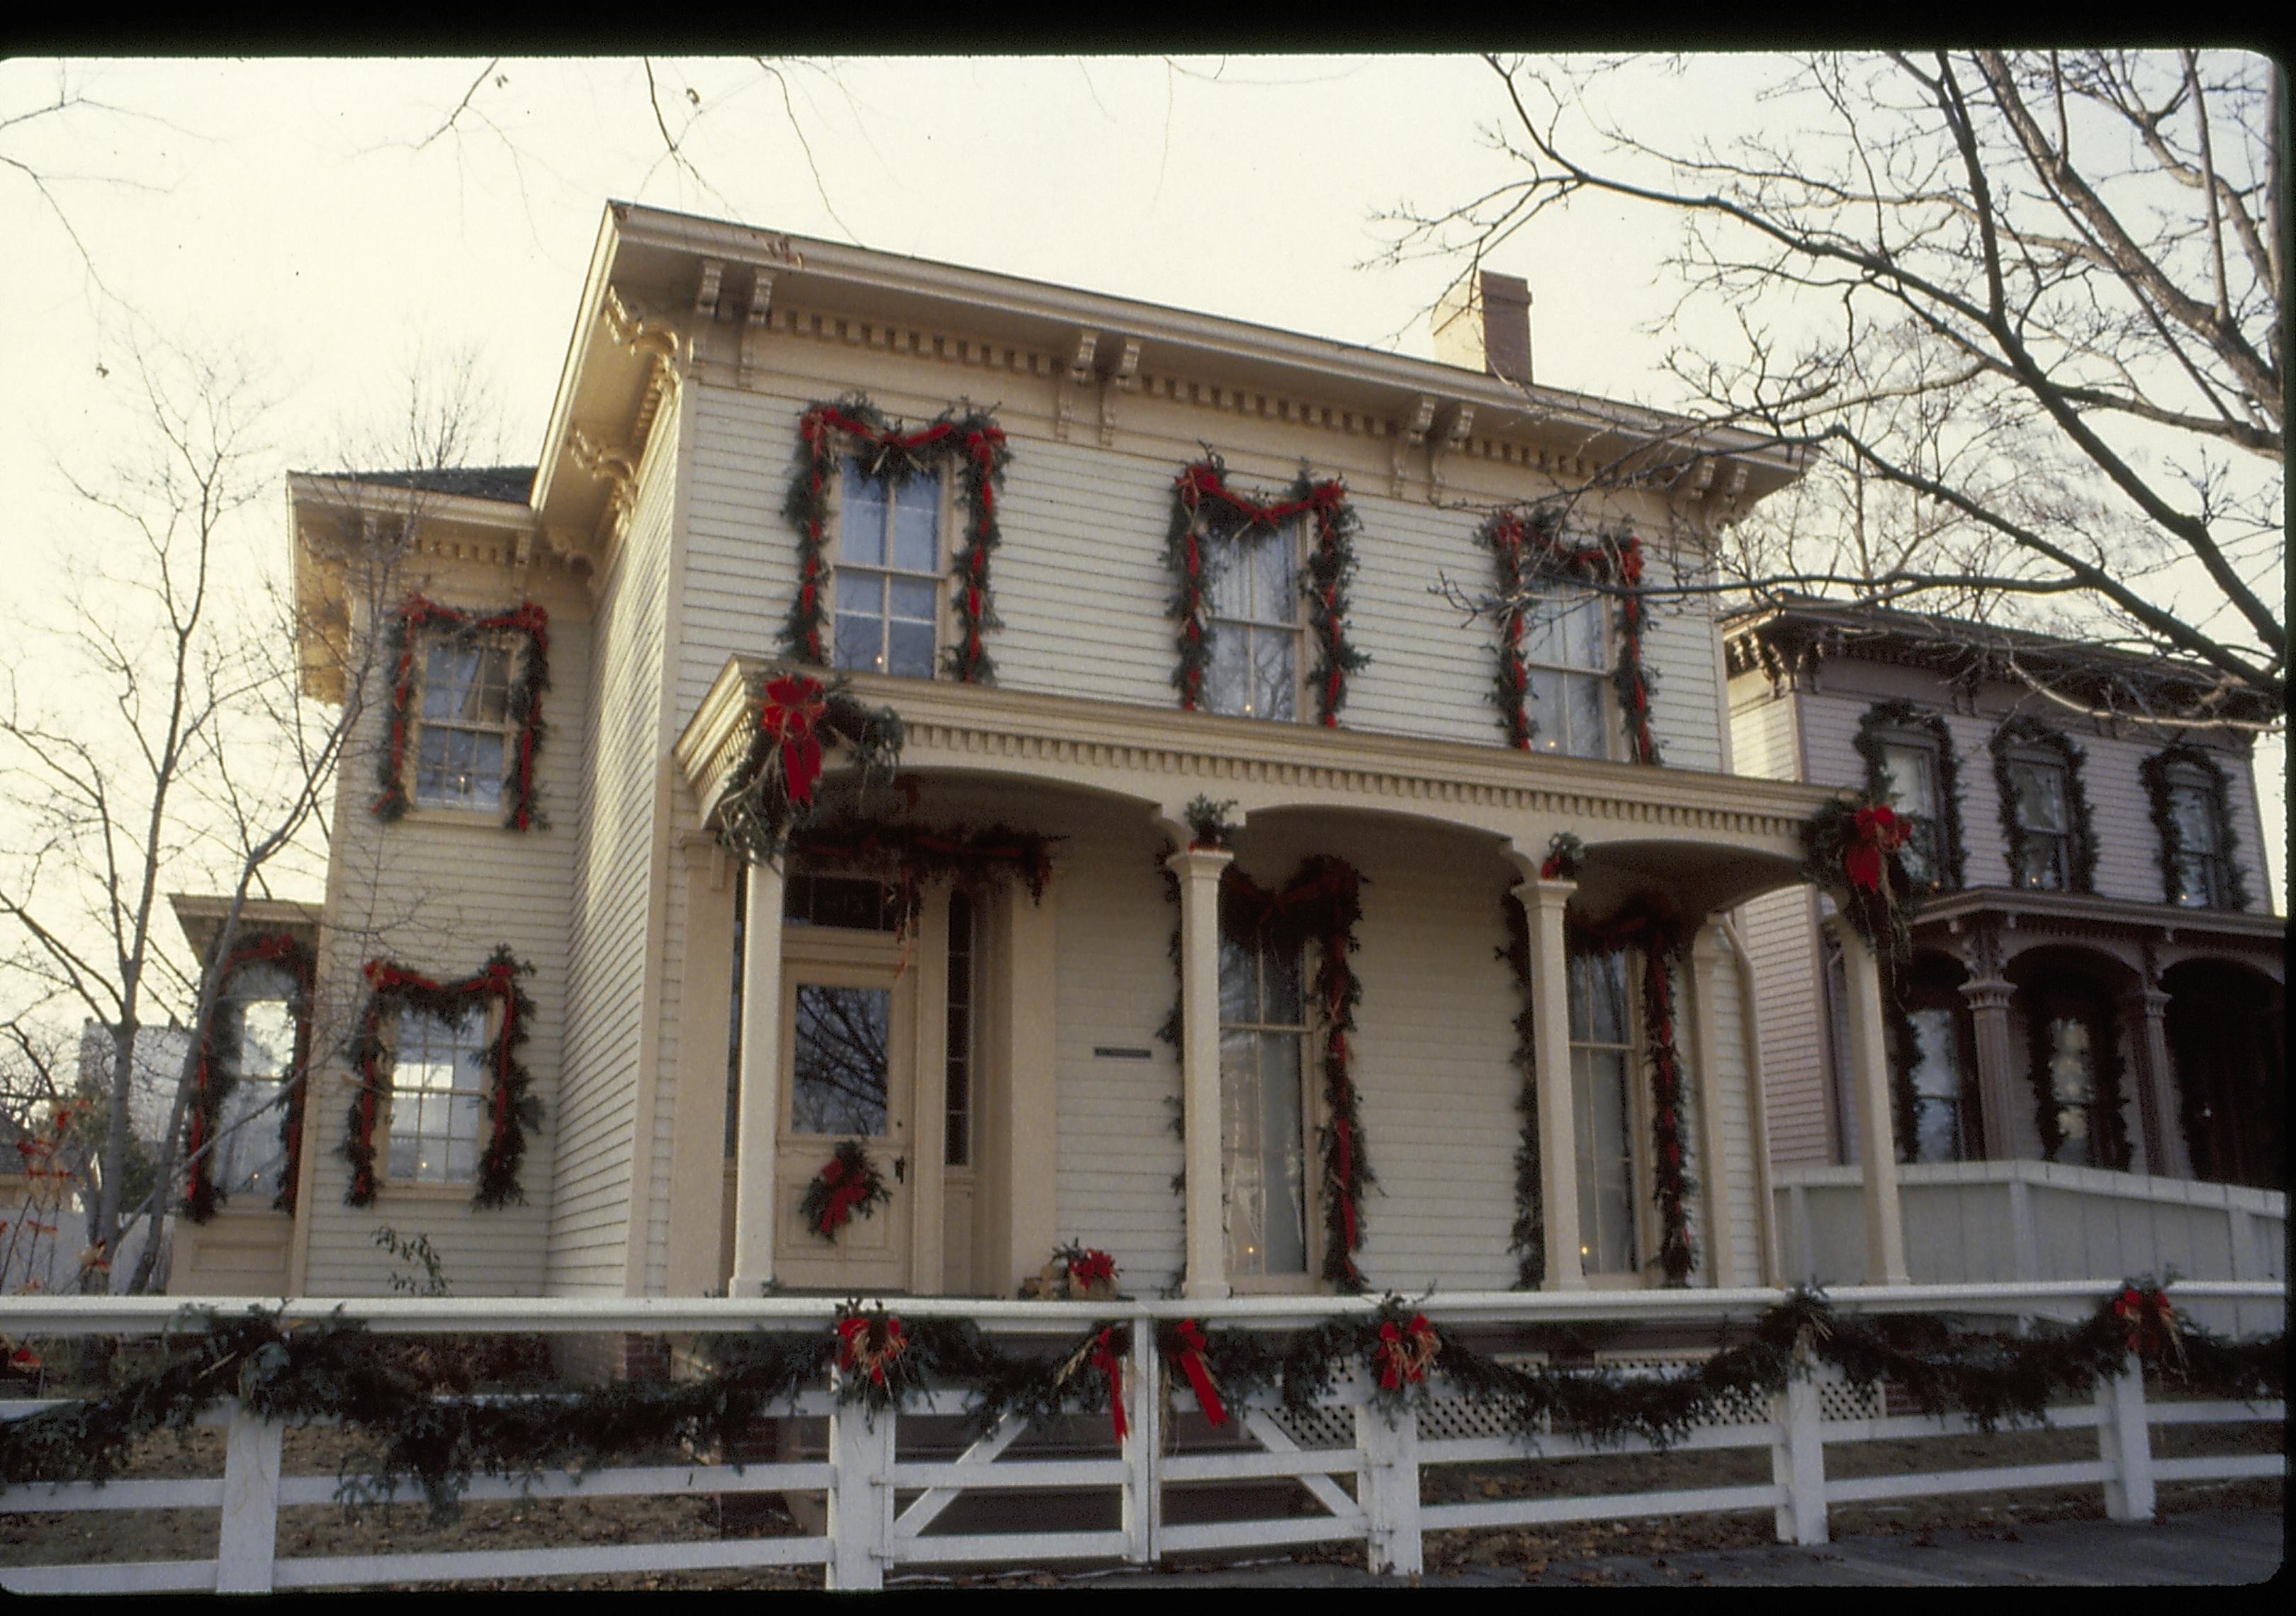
x: 2039, y: 801
x: 1255, y: 623
x: 1566, y: 653
x: 2193, y: 809
x: 1263, y: 1117
x: 841, y: 901
x: 258, y: 1049
x: 2071, y: 1072
x: 842, y: 1074
x: 1936, y: 1084
x: 888, y: 577
x: 458, y: 759
x: 1601, y: 1103
x: 2076, y: 1072
x: 438, y: 1097
x: 1909, y: 779
x: 958, y: 1092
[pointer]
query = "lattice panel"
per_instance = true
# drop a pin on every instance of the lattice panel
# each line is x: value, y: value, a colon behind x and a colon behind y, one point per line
x: 1730, y: 1411
x: 1841, y: 1400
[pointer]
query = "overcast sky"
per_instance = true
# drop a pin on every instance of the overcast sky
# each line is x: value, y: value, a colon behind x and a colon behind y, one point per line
x: 330, y: 220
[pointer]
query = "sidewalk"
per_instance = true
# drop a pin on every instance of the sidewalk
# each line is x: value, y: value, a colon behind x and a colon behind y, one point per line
x: 2207, y: 1546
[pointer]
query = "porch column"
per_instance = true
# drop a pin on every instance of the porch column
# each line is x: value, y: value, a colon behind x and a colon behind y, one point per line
x: 1877, y: 1148
x: 1998, y: 1079
x: 1199, y: 872
x: 2145, y: 1022
x: 1542, y: 903
x: 761, y: 1074
x: 1713, y: 1164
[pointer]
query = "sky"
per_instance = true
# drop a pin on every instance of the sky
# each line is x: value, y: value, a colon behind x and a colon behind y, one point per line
x: 333, y: 224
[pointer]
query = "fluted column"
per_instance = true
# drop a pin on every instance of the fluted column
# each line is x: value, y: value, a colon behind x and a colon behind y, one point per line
x: 1199, y: 872
x: 761, y: 1073
x: 1998, y: 1080
x: 2161, y: 1143
x: 1543, y: 903
x: 1877, y: 1146
x: 1714, y: 1165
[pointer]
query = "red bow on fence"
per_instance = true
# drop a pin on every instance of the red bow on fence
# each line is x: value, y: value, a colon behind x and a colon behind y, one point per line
x: 1406, y: 1351
x: 1190, y: 1357
x: 1880, y: 833
x: 871, y: 1345
x: 2150, y: 1318
x: 792, y: 709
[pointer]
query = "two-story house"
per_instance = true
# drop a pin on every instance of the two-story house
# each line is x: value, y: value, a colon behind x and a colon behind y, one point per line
x: 1228, y: 899
x: 2086, y: 1050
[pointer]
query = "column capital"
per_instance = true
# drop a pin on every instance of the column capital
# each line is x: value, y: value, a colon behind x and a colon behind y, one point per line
x: 1989, y: 993
x: 1539, y: 893
x: 1200, y: 863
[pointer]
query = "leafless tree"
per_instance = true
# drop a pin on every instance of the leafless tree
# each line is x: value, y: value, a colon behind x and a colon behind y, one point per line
x: 2020, y: 312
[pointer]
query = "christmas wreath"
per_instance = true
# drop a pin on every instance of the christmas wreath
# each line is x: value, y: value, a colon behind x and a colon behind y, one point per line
x: 510, y: 1110
x: 1527, y: 548
x: 530, y: 678
x: 212, y: 1078
x: 848, y: 1182
x: 771, y: 792
x: 1206, y: 510
x: 971, y: 440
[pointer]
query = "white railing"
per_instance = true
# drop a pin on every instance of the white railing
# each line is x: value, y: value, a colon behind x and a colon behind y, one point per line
x: 880, y: 1496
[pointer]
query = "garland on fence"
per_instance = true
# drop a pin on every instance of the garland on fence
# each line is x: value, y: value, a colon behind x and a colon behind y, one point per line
x: 213, y: 1079
x: 914, y: 856
x: 529, y: 679
x: 510, y: 1110
x: 848, y: 1182
x: 971, y: 441
x: 1525, y: 548
x: 2020, y: 730
x: 1649, y: 923
x: 2154, y: 771
x: 771, y: 792
x: 1528, y: 1240
x: 1204, y: 508
x: 1872, y: 731
x: 1322, y: 905
x: 331, y: 1368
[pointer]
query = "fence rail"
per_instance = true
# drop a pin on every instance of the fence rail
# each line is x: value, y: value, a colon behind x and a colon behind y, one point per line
x: 878, y: 1498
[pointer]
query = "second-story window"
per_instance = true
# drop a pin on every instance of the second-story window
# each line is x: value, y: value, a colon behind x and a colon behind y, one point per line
x: 1566, y: 653
x: 1255, y: 624
x: 1909, y: 774
x: 2200, y: 862
x: 2040, y: 802
x: 458, y: 759
x: 888, y: 579
x: 438, y: 1105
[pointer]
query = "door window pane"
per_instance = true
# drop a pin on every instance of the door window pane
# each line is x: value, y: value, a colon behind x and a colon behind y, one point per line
x: 1263, y: 1121
x: 842, y: 1067
x: 1602, y: 1104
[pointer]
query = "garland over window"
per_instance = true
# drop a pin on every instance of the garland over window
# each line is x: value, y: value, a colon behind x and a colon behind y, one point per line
x: 771, y: 792
x: 1206, y: 510
x: 1873, y: 733
x: 530, y: 678
x: 913, y: 855
x: 1649, y: 923
x: 1527, y: 546
x: 2158, y: 773
x: 970, y: 440
x: 213, y: 1079
x: 2019, y: 732
x: 510, y: 1110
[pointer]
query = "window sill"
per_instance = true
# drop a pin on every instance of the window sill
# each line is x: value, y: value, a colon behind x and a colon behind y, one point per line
x: 425, y: 1192
x: 431, y: 813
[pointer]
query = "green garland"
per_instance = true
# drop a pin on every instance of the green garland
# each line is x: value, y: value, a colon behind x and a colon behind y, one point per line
x: 1528, y: 1239
x: 2018, y: 730
x: 971, y: 440
x: 770, y: 793
x: 1901, y: 715
x: 913, y: 855
x: 2154, y: 771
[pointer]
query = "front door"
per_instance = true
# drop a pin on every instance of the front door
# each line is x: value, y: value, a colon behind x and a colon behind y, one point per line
x: 849, y: 1037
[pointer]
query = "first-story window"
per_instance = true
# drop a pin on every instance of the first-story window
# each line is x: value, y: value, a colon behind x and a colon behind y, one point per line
x: 1936, y: 1075
x: 888, y: 577
x: 1263, y: 1117
x: 258, y: 1046
x: 458, y: 755
x: 1566, y: 653
x: 1255, y: 623
x: 437, y: 1096
x: 1602, y: 1104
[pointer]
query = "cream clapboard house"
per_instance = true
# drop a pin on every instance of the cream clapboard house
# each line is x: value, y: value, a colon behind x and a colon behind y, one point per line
x: 997, y: 1056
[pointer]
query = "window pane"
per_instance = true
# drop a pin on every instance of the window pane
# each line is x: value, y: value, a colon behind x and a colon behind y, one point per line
x: 916, y: 526
x: 861, y: 528
x: 1544, y: 638
x: 1937, y: 1087
x: 842, y: 1063
x: 1598, y: 999
x: 1239, y: 981
x: 1587, y: 739
x: 1606, y: 1195
x: 1273, y: 598
x: 1226, y: 682
x: 911, y: 598
x: 1230, y: 567
x: 2043, y: 864
x: 1909, y: 776
x: 2194, y: 810
x: 1275, y: 687
x: 2041, y: 793
x: 449, y: 679
x: 1582, y: 628
x: 483, y: 786
x: 909, y: 650
x: 1544, y: 697
x: 2072, y: 1085
x: 859, y: 640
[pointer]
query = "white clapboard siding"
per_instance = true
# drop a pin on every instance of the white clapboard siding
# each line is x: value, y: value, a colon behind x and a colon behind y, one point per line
x: 614, y: 870
x: 436, y: 892
x: 1780, y: 928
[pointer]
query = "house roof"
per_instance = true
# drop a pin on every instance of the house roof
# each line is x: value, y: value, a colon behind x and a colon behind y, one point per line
x: 510, y: 484
x: 1795, y: 628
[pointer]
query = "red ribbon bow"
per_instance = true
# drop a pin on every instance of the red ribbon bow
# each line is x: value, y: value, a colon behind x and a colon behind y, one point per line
x: 1105, y: 1361
x: 794, y: 706
x: 1199, y: 1379
x: 1091, y: 1266
x: 2150, y: 1318
x: 1879, y: 832
x: 870, y: 1345
x: 1406, y: 1351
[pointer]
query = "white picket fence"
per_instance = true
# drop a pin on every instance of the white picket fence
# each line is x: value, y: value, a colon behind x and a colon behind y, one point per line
x: 880, y: 1498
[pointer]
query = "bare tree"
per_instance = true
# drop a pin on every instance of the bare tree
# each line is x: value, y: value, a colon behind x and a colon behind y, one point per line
x: 2021, y: 312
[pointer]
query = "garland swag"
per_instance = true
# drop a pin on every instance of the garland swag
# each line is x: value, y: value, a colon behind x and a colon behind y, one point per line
x: 1528, y: 1240
x: 333, y: 1368
x: 848, y: 1182
x: 771, y: 792
x: 1205, y: 508
x: 1649, y: 923
x: 212, y: 1078
x: 913, y: 855
x: 2155, y: 772
x: 510, y: 1110
x: 1872, y: 730
x: 1528, y: 546
x: 1853, y: 850
x: 529, y: 679
x: 971, y: 440
x: 2020, y: 730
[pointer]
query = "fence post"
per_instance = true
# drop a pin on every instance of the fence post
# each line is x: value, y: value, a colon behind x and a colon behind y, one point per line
x: 2124, y: 1441
x: 1143, y: 1447
x: 1798, y: 1460
x: 861, y: 1445
x: 250, y: 1538
x: 1388, y: 1488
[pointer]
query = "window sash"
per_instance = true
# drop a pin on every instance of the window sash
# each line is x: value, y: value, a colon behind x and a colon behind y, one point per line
x: 462, y: 740
x: 1254, y: 623
x: 1602, y: 1107
x: 887, y: 581
x: 1937, y: 1083
x: 1264, y: 1110
x: 438, y: 1097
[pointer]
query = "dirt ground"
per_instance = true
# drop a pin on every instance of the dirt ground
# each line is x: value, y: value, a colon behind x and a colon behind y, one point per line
x: 63, y: 1537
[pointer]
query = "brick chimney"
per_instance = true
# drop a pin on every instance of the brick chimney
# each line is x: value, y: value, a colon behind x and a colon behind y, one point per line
x: 1484, y: 323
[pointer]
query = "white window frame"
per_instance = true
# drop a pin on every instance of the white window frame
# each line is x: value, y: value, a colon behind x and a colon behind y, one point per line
x: 1223, y: 555
x: 1551, y: 598
x: 490, y: 1015
x: 421, y: 724
x: 1929, y: 827
x: 943, y: 480
x: 1642, y: 1186
x: 246, y: 1123
x: 1310, y: 1045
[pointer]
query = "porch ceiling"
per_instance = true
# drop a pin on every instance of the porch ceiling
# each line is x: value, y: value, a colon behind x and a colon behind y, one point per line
x: 1665, y: 824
